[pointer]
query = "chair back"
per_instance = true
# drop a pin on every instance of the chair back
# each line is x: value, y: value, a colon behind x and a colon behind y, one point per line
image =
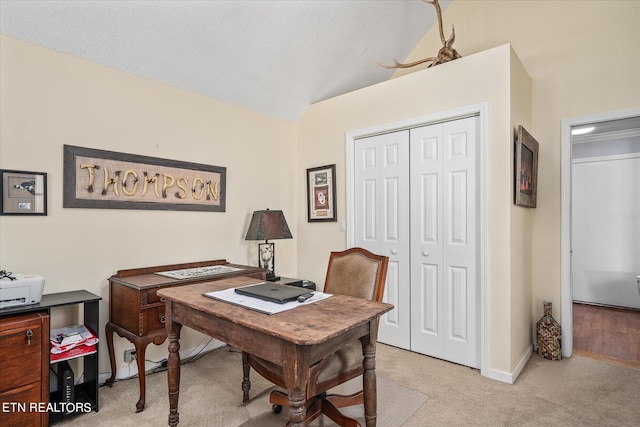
x: 358, y: 273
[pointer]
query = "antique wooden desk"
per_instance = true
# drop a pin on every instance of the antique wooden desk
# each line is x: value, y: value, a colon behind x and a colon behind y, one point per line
x: 292, y: 338
x: 136, y: 311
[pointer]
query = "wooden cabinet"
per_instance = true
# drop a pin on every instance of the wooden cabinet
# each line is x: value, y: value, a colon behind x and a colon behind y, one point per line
x: 137, y: 313
x: 24, y: 374
x: 24, y: 383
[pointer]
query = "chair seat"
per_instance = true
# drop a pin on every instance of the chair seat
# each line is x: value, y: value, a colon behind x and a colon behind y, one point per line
x: 347, y: 358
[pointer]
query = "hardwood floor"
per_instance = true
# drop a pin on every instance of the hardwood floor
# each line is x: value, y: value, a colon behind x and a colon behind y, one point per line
x: 606, y: 333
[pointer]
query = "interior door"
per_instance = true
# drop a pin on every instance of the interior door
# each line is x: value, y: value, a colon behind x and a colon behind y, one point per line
x: 382, y: 222
x: 606, y: 222
x: 444, y: 204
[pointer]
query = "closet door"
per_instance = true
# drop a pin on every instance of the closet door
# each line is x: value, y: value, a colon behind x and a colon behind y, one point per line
x: 382, y: 222
x: 443, y: 205
x: 416, y: 202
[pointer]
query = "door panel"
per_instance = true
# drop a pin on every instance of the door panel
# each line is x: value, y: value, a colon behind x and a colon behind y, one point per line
x: 458, y: 208
x: 382, y: 220
x: 458, y: 308
x: 443, y: 196
x: 460, y: 244
x: 426, y: 240
x: 369, y: 232
x: 392, y: 320
x: 429, y: 300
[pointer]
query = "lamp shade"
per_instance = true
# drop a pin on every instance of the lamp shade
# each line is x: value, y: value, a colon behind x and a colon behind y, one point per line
x: 268, y: 225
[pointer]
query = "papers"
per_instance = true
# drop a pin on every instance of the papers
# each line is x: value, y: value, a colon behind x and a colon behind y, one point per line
x: 266, y: 307
x: 189, y: 273
x: 71, y: 342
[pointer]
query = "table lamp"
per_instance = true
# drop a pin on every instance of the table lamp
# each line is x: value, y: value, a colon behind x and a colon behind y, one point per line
x: 268, y: 225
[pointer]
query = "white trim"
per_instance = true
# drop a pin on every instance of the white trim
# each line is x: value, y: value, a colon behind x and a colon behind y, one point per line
x: 480, y: 109
x: 510, y: 377
x: 130, y: 369
x: 565, y: 223
x: 608, y: 136
x: 611, y: 158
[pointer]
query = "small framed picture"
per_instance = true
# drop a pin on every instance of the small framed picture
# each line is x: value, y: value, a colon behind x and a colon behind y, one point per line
x: 23, y: 193
x: 321, y: 193
x: 526, y: 169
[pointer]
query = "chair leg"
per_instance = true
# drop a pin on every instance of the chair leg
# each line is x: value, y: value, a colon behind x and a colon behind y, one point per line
x: 314, y: 410
x: 332, y: 412
x: 281, y: 398
x: 246, y: 382
x: 323, y: 404
x: 341, y: 401
x: 278, y: 398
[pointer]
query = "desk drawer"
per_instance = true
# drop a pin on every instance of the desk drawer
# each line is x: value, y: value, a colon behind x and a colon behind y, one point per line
x: 150, y: 297
x: 27, y: 396
x: 151, y: 319
x: 21, y: 357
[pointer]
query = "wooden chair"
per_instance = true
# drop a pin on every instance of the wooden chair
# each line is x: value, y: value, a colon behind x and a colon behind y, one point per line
x: 355, y: 272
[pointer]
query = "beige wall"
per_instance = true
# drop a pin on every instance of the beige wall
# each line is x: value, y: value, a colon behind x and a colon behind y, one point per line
x: 484, y: 77
x: 521, y: 232
x: 50, y: 99
x: 583, y: 58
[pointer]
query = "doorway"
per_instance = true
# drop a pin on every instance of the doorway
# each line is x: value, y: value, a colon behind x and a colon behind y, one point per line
x: 600, y: 244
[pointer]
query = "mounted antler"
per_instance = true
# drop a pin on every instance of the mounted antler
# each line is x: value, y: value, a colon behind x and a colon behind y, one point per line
x: 446, y: 54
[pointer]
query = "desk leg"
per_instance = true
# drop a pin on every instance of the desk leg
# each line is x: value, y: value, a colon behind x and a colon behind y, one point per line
x: 140, y: 343
x: 246, y: 380
x: 296, y: 377
x: 109, y: 330
x: 369, y: 376
x: 141, y: 351
x: 173, y: 372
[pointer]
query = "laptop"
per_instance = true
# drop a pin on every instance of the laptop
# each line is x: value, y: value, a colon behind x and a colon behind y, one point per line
x: 273, y: 292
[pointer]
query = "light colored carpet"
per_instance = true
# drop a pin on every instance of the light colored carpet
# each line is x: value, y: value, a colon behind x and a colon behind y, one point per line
x: 211, y: 395
x: 574, y: 392
x: 395, y: 405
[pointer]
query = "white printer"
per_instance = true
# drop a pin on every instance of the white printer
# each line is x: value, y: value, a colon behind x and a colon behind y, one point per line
x: 22, y: 290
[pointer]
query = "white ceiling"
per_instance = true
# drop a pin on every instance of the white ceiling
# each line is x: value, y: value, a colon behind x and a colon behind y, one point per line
x: 274, y: 57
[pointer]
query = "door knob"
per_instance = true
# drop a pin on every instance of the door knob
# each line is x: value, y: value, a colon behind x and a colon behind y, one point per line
x: 393, y: 251
x: 425, y: 253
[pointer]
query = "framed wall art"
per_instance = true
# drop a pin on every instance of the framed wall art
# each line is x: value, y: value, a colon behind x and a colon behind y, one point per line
x: 321, y: 193
x: 23, y: 193
x: 526, y: 168
x: 110, y: 180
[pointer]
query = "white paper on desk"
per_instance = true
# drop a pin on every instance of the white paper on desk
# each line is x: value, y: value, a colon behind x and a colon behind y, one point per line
x: 267, y: 307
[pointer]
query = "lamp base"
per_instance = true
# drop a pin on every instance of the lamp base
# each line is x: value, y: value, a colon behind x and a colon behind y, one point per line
x: 272, y: 277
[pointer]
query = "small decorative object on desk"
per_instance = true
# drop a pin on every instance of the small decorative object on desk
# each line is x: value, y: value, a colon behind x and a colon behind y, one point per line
x: 549, y: 333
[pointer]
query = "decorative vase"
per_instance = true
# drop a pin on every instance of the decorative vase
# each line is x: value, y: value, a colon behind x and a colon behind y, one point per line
x: 549, y: 334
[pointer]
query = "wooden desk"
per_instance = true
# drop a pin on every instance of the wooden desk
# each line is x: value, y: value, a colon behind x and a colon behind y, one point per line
x: 293, y: 338
x: 136, y: 312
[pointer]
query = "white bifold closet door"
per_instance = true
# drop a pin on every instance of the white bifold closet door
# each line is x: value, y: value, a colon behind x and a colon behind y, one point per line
x: 417, y: 202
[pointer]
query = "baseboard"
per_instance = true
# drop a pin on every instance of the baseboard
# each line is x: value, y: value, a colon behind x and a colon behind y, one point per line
x: 131, y: 369
x: 510, y: 377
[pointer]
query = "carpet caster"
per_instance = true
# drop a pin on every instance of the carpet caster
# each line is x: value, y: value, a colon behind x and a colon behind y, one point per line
x: 276, y: 408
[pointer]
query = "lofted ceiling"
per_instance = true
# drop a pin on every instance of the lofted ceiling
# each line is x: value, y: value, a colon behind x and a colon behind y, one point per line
x: 274, y: 56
